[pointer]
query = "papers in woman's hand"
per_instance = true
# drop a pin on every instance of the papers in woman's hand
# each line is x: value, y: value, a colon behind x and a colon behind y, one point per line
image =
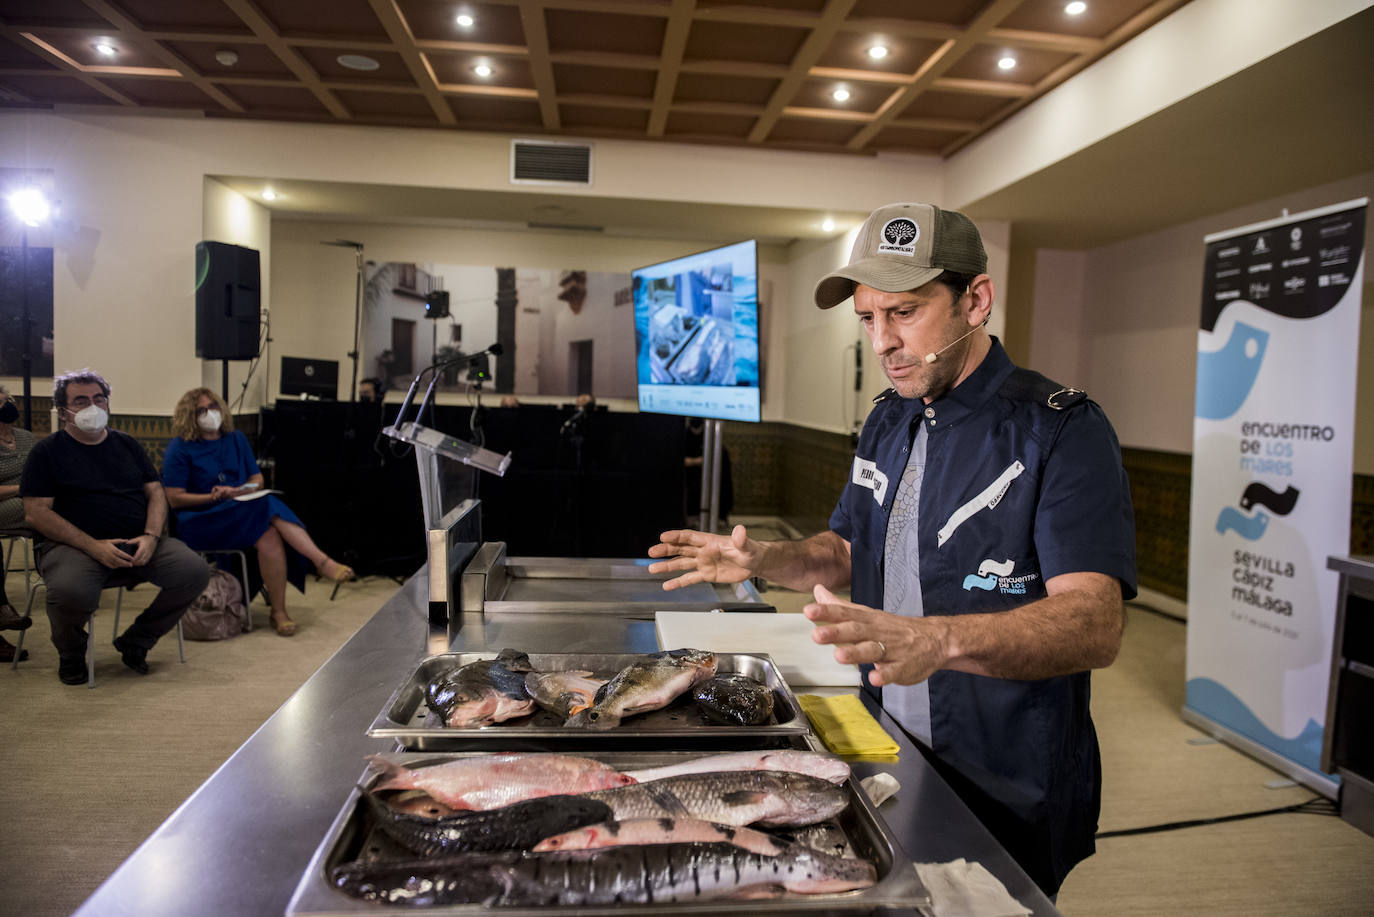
x: 255, y: 495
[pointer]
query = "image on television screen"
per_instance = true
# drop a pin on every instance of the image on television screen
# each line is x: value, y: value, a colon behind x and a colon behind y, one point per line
x: 697, y: 334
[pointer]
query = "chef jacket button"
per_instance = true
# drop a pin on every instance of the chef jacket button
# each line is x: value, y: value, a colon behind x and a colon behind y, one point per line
x: 932, y: 423
x: 930, y: 412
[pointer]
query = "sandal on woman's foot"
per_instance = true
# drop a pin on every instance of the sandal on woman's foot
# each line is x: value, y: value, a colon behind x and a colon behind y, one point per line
x: 284, y: 628
x: 342, y: 572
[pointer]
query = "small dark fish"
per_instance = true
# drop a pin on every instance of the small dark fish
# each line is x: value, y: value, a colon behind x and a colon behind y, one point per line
x: 513, y: 827
x: 650, y: 684
x: 482, y: 693
x: 632, y: 875
x: 734, y: 699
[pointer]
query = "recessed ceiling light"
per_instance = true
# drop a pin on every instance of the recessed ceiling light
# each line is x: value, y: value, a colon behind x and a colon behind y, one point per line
x: 1076, y: 7
x: 465, y: 20
x: 877, y: 52
x: 482, y: 70
x: 268, y: 194
x: 105, y: 48
x: 1006, y: 63
x: 227, y: 57
x: 828, y: 225
x: 841, y: 95
x: 357, y: 62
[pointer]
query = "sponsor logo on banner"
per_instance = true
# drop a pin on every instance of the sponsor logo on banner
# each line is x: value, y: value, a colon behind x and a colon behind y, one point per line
x: 1273, y: 450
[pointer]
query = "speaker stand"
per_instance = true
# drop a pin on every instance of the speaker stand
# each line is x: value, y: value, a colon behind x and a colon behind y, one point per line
x: 224, y: 380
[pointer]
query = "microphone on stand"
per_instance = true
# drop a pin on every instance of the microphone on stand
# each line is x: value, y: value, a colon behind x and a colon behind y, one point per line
x: 576, y: 418
x: 495, y: 350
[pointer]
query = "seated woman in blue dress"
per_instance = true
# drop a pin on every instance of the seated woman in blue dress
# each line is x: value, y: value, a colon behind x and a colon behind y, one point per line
x: 205, y: 466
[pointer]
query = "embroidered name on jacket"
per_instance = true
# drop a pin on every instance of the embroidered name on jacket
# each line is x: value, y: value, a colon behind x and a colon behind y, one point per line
x: 988, y: 499
x: 866, y: 474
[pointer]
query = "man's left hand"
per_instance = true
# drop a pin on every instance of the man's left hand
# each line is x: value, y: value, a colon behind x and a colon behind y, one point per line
x: 147, y: 544
x: 905, y: 651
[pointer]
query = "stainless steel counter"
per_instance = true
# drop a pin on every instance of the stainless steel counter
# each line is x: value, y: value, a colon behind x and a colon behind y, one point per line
x: 239, y: 844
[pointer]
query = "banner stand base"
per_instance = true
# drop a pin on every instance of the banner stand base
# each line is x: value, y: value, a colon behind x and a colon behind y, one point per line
x: 1313, y: 780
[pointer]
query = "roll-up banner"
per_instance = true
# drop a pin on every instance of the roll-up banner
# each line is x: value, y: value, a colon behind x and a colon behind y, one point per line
x: 1273, y: 459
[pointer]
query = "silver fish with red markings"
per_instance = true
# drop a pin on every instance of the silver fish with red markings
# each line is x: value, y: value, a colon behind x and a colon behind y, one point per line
x: 490, y: 781
x: 660, y: 831
x: 563, y: 693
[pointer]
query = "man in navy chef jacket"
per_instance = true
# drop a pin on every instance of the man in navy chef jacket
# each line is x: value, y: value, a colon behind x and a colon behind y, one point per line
x: 988, y: 515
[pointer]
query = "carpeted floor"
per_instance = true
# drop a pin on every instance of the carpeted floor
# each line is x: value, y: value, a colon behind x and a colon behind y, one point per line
x: 88, y: 774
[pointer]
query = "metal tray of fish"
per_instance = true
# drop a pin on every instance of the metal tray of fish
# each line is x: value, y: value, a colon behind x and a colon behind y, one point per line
x: 859, y: 831
x: 408, y: 719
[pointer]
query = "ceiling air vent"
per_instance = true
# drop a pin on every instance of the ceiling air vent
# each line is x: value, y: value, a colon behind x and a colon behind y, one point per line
x: 542, y: 162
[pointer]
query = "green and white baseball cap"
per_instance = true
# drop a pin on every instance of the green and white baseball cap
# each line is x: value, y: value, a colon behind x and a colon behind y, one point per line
x: 903, y: 246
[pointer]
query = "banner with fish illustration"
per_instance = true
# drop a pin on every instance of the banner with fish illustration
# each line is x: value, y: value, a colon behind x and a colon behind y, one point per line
x: 1273, y: 457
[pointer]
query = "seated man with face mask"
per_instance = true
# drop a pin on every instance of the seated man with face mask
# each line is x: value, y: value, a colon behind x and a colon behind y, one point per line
x: 93, y: 496
x: 205, y: 467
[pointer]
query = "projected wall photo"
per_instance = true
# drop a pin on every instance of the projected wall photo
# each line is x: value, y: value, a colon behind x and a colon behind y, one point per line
x: 562, y: 331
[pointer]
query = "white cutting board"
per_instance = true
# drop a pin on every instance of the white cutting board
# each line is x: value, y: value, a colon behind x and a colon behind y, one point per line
x: 786, y: 637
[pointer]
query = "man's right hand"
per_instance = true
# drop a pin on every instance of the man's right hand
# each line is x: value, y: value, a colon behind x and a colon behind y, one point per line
x: 707, y: 558
x: 109, y: 555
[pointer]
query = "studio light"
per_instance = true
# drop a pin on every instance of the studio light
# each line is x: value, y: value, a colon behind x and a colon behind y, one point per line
x: 30, y: 206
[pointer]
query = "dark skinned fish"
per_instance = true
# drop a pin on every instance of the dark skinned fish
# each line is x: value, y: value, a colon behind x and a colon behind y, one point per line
x: 650, y: 684
x: 482, y: 693
x: 637, y: 875
x: 735, y: 700
x: 513, y: 827
x: 768, y: 798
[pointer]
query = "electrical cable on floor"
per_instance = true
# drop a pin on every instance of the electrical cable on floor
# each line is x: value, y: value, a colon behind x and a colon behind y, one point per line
x: 1317, y: 805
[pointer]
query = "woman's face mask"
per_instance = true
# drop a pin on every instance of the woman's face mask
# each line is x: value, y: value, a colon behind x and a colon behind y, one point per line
x: 209, y: 421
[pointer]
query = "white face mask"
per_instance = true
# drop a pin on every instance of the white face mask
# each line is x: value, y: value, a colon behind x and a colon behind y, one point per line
x: 91, y: 419
x: 209, y: 421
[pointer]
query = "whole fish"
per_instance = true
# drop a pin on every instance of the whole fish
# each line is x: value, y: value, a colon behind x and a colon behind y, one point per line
x: 660, y: 831
x: 491, y: 781
x: 638, y: 875
x: 513, y: 827
x: 482, y: 693
x: 769, y: 798
x: 735, y: 700
x: 815, y: 763
x: 563, y: 693
x: 650, y: 684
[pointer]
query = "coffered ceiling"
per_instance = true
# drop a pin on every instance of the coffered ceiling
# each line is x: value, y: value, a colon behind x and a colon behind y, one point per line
x: 794, y: 74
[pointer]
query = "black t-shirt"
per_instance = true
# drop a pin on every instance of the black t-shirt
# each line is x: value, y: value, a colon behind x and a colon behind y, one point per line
x: 98, y: 489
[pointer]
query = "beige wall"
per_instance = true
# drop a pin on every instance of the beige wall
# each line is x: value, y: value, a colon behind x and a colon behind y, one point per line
x: 1139, y: 324
x: 1198, y: 45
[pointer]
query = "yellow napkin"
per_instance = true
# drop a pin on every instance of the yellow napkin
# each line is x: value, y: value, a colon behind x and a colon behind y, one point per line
x: 845, y: 725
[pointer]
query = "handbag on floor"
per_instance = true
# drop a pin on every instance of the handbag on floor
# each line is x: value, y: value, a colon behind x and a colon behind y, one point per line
x: 217, y: 613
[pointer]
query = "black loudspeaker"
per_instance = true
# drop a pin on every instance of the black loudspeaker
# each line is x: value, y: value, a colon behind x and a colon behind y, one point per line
x: 436, y: 304
x: 227, y: 301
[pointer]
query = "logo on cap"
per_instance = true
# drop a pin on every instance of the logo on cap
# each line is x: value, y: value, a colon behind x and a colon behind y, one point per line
x: 899, y: 237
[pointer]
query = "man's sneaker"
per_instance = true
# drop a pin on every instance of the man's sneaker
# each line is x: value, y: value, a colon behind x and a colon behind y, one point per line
x: 135, y: 657
x: 73, y: 671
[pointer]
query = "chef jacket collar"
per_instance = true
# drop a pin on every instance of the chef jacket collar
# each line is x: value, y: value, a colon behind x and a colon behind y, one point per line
x: 971, y: 394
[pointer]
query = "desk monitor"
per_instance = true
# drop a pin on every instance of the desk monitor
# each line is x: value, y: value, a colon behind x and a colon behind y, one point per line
x: 306, y: 376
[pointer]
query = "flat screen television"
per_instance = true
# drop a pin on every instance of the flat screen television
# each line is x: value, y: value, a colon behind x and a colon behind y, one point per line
x: 697, y: 334
x: 303, y: 376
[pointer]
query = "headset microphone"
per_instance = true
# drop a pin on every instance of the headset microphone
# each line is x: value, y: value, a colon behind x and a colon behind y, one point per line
x: 935, y: 355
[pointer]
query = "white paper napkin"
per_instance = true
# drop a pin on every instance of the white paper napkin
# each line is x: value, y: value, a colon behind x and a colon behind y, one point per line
x: 963, y: 889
